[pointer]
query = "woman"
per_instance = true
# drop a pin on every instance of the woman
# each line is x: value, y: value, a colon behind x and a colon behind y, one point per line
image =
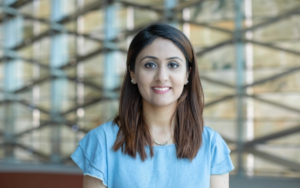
x: 158, y: 139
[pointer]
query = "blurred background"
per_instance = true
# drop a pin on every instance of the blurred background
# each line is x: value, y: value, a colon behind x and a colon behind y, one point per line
x: 62, y: 63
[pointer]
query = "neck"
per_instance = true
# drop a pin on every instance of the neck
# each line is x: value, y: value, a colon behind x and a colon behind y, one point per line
x: 158, y: 119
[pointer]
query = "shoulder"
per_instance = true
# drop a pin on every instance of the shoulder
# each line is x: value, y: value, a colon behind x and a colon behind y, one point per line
x: 213, y: 138
x: 219, y: 154
x: 209, y: 133
x: 103, y: 132
x: 108, y: 128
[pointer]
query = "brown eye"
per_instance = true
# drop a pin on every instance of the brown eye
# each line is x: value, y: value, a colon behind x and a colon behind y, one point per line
x: 173, y: 65
x: 150, y: 65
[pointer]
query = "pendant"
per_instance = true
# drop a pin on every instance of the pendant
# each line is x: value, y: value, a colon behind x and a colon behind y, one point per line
x: 161, y: 144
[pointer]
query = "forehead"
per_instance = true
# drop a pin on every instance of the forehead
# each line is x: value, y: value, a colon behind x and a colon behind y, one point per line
x: 161, y: 48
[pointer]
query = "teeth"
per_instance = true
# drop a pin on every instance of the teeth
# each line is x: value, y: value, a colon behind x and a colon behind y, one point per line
x: 161, y: 89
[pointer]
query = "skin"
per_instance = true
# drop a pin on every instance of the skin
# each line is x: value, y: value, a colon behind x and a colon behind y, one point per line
x: 219, y: 181
x: 91, y: 182
x: 216, y: 181
x: 156, y: 66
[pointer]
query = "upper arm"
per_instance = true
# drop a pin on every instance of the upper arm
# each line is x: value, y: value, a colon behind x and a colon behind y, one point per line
x: 91, y: 182
x: 219, y: 181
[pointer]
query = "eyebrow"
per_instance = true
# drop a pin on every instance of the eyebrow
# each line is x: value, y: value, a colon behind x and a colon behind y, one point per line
x: 153, y: 57
x: 174, y: 58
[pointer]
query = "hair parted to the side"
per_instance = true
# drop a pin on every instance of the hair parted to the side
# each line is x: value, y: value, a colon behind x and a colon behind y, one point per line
x: 133, y: 133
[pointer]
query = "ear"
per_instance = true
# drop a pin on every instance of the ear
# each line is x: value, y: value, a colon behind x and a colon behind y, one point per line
x: 188, y: 73
x: 132, y: 75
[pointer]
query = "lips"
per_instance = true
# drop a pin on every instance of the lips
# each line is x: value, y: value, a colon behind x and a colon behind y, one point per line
x: 161, y: 89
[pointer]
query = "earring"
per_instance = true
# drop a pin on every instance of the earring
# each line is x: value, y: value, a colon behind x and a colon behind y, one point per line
x: 131, y: 81
x: 187, y: 81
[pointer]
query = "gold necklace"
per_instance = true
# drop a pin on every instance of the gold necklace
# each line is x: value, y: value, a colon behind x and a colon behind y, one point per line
x: 161, y: 144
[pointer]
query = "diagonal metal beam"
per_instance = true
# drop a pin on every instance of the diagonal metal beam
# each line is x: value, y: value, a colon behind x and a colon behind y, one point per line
x: 219, y: 82
x: 13, y: 55
x: 89, y: 103
x: 215, y: 46
x: 32, y: 106
x: 20, y: 3
x: 274, y: 77
x: 28, y: 41
x: 33, y: 39
x: 141, y: 6
x: 187, y: 4
x: 273, y: 47
x: 43, y: 156
x: 227, y: 97
x: 66, y: 19
x: 206, y: 25
x: 274, y: 103
x: 49, y: 77
x: 70, y: 124
x: 178, y: 8
x: 93, y: 6
x: 56, y: 28
x: 27, y: 149
x: 90, y: 84
x: 287, y: 163
x: 15, y: 98
x: 49, y: 32
x: 85, y: 82
x: 70, y: 63
x: 272, y: 136
x: 258, y: 82
x: 125, y: 33
x: 79, y: 59
x: 43, y: 124
x: 30, y: 85
x: 224, y: 98
x: 274, y: 19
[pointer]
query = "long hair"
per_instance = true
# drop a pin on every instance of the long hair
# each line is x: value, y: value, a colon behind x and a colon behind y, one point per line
x: 133, y: 134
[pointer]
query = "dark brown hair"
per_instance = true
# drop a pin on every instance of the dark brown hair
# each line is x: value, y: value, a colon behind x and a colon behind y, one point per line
x: 133, y: 133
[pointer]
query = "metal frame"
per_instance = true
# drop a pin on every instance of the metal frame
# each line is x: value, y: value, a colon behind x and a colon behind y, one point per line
x: 236, y: 37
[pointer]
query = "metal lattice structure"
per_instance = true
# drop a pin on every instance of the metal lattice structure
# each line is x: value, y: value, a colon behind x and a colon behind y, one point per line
x: 63, y: 61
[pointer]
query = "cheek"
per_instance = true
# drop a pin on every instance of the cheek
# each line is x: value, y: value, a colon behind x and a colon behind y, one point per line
x: 179, y: 80
x: 143, y: 81
x: 143, y: 78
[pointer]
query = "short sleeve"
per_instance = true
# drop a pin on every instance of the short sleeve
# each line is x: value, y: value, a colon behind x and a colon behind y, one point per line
x: 90, y: 155
x: 220, y: 162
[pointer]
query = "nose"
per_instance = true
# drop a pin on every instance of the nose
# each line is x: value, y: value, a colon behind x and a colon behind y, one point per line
x: 162, y: 74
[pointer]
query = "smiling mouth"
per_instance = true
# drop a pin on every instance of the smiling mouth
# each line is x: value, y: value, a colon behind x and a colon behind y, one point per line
x: 161, y: 88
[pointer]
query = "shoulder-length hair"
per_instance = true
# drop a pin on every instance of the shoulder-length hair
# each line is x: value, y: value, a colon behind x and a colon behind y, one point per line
x: 133, y: 134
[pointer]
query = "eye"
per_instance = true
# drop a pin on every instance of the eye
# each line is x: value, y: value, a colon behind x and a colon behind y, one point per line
x: 150, y: 65
x: 173, y: 65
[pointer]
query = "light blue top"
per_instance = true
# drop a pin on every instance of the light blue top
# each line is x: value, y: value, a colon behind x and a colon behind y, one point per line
x: 95, y: 156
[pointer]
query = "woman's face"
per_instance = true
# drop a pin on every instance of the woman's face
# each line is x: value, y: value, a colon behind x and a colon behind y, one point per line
x: 160, y: 73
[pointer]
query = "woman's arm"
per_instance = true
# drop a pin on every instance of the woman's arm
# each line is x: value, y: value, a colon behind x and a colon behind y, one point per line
x: 219, y: 181
x: 91, y: 182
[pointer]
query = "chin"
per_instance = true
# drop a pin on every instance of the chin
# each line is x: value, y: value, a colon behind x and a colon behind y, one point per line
x: 162, y: 103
